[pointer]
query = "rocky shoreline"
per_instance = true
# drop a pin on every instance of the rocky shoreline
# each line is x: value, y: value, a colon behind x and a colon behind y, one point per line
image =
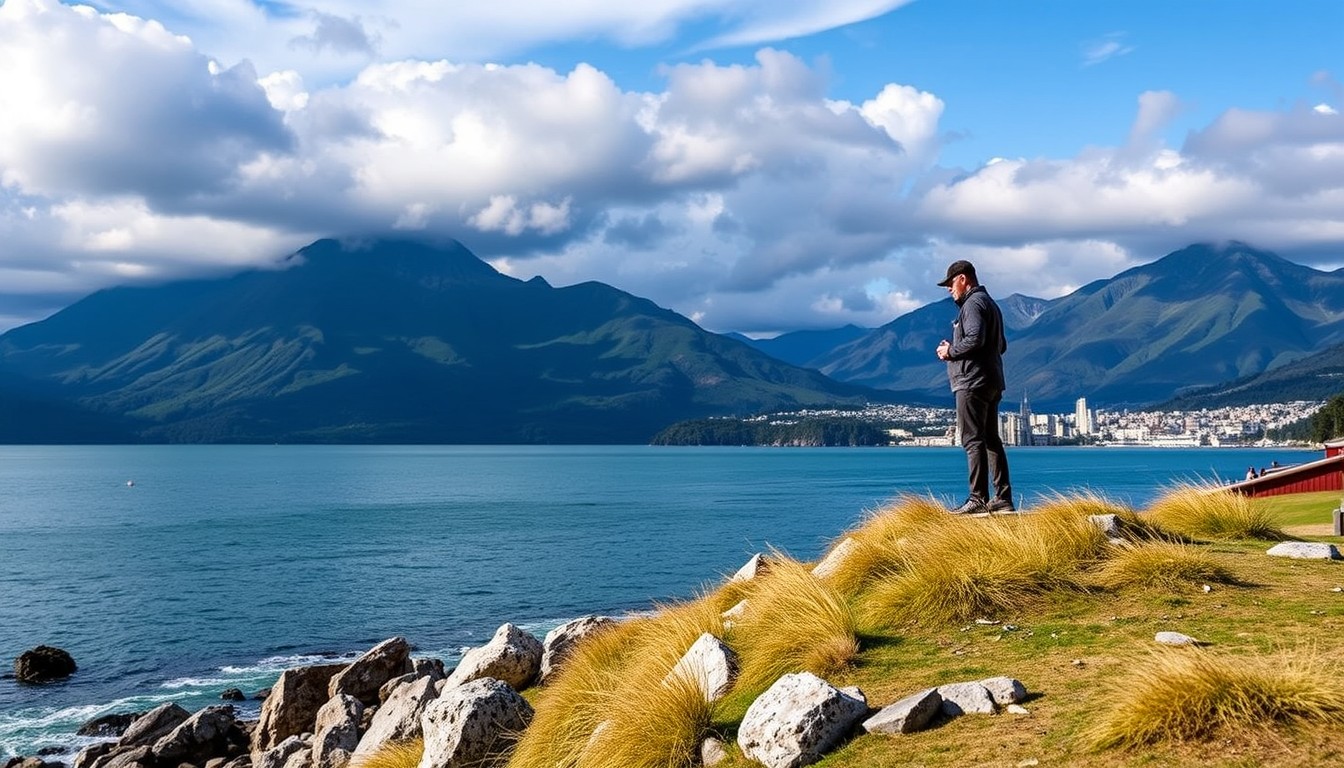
x: 338, y: 715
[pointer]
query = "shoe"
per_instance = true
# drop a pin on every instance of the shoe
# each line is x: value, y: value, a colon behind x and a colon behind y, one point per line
x: 1001, y: 505
x: 970, y: 507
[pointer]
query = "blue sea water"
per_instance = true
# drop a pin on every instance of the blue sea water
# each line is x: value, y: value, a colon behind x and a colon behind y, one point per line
x: 174, y: 572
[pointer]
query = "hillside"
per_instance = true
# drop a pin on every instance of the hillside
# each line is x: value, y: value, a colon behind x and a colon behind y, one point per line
x: 396, y: 341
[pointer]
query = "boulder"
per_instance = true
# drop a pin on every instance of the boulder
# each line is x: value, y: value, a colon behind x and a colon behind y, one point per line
x: 233, y: 694
x: 966, y: 699
x: 908, y: 715
x: 43, y: 664
x: 153, y: 725
x: 399, y: 718
x: 200, y: 737
x: 797, y: 721
x: 293, y: 752
x: 122, y: 757
x: 833, y: 560
x: 1175, y: 638
x: 562, y: 640
x: 1005, y: 690
x: 428, y: 668
x: 712, y: 752
x: 362, y: 679
x: 512, y: 655
x: 1305, y: 550
x: 710, y: 664
x: 291, y: 708
x: 336, y: 731
x: 109, y: 725
x: 474, y: 724
x: 754, y: 567
x: 92, y: 754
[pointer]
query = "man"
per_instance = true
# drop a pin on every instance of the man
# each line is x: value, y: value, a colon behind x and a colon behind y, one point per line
x: 975, y: 370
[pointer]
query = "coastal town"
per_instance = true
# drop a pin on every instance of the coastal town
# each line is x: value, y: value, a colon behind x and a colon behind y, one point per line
x: 1212, y: 427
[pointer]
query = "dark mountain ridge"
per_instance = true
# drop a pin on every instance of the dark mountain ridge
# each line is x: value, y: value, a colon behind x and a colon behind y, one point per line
x: 395, y: 341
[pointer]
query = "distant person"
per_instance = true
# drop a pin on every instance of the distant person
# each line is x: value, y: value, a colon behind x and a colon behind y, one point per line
x: 975, y: 371
x: 1250, y: 473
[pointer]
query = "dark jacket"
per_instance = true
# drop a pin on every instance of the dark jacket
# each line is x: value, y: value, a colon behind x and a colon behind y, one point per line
x: 975, y: 359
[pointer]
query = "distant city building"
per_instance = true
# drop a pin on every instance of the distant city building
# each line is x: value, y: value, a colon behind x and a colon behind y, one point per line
x: 1082, y: 417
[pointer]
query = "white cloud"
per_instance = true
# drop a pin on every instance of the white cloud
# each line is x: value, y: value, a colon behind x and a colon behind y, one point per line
x: 1108, y: 47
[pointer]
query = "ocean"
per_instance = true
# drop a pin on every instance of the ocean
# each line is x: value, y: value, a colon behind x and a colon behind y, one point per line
x: 175, y: 572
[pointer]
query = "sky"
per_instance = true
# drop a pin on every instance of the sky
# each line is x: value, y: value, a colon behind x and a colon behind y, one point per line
x: 759, y: 166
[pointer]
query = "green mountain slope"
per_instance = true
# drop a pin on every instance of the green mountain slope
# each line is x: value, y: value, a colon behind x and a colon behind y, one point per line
x: 398, y: 342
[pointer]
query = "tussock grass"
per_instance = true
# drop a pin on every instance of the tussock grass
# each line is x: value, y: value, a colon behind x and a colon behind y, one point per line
x: 393, y: 754
x: 959, y: 569
x: 1208, y: 512
x: 1160, y: 564
x: 1193, y: 695
x: 793, y: 623
x: 880, y: 537
x: 610, y: 705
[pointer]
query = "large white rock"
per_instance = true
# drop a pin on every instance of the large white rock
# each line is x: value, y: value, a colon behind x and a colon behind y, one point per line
x: 474, y: 724
x: 908, y: 715
x: 512, y: 655
x: 561, y: 641
x: 1305, y: 550
x: 966, y: 699
x: 1005, y: 690
x: 399, y: 717
x: 295, y: 750
x: 797, y: 721
x: 754, y: 567
x: 336, y: 732
x: 710, y: 664
x: 362, y: 679
x: 833, y: 560
x: 1175, y: 638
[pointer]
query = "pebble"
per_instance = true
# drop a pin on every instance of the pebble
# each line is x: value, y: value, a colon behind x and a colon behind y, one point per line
x: 1017, y: 709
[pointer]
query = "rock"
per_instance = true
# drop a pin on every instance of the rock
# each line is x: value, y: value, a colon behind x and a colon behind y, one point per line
x: 336, y: 731
x: 1017, y: 709
x: 202, y: 736
x: 399, y: 718
x: 561, y: 641
x: 153, y: 725
x: 1305, y: 550
x: 1109, y: 524
x: 474, y: 724
x: 362, y: 679
x: 91, y: 754
x: 232, y: 694
x: 385, y: 692
x: 261, y: 694
x: 43, y: 664
x: 754, y: 567
x: 1175, y: 638
x: 736, y: 612
x: 966, y: 699
x: 512, y: 655
x: 1005, y: 690
x: 432, y: 668
x: 109, y: 725
x: 908, y: 715
x: 831, y: 563
x: 796, y: 721
x: 244, y: 761
x: 709, y: 664
x: 291, y: 708
x: 712, y: 752
x: 123, y: 757
x: 293, y: 748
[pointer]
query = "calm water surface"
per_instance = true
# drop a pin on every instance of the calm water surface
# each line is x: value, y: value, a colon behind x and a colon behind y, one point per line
x: 173, y: 572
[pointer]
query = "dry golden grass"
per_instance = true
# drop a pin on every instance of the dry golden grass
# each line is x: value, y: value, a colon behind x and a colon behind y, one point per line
x: 610, y: 705
x: 394, y: 754
x: 958, y: 569
x: 1160, y: 564
x: 1190, y: 694
x: 1210, y: 513
x: 879, y: 539
x: 793, y: 623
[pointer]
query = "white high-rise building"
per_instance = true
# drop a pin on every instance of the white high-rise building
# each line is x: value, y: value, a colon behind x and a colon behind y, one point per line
x: 1082, y: 417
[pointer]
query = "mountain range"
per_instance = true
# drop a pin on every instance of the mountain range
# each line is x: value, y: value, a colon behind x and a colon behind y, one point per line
x: 403, y: 341
x: 390, y: 342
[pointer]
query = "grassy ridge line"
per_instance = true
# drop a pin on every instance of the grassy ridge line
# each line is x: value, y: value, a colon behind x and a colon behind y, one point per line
x: 1076, y: 614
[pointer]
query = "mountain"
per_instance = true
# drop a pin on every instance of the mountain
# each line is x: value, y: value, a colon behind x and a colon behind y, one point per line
x: 396, y: 341
x: 803, y: 347
x: 1196, y: 317
x: 1317, y: 377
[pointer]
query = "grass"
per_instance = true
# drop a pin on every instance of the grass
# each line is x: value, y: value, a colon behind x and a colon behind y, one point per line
x: 1192, y: 695
x: 394, y: 754
x: 1075, y: 620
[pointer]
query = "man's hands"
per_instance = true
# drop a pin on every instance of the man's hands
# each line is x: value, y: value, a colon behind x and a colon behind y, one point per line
x: 943, y: 347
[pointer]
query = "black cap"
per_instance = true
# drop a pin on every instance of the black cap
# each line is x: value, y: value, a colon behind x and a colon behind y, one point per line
x: 959, y: 267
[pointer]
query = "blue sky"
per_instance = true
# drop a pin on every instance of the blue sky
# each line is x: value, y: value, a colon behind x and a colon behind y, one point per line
x: 758, y: 166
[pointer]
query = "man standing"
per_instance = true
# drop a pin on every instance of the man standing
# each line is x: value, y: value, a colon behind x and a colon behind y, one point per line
x: 975, y: 369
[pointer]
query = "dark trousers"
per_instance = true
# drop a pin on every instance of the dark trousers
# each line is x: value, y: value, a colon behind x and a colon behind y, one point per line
x: 978, y: 420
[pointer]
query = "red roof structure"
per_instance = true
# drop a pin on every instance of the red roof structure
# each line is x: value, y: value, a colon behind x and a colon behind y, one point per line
x: 1325, y: 474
